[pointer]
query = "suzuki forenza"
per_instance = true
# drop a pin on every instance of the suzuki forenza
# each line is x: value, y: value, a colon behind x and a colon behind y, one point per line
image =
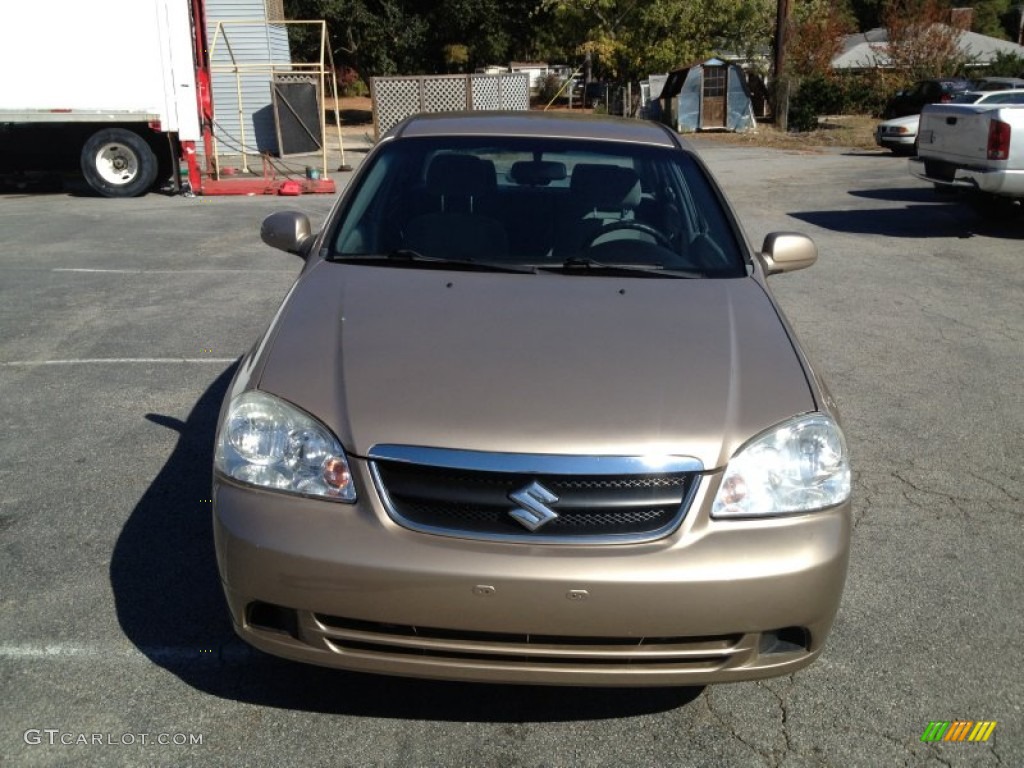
x: 530, y: 414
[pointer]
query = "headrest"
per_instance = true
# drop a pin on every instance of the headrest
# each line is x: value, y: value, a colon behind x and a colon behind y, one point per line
x: 537, y: 173
x: 606, y: 187
x: 462, y: 175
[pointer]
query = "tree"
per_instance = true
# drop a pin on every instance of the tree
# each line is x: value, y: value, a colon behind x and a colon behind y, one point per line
x: 989, y: 17
x: 921, y: 43
x: 374, y: 37
x: 385, y: 37
x: 630, y: 39
x: 626, y: 38
x: 492, y: 31
x: 817, y: 28
x: 456, y: 55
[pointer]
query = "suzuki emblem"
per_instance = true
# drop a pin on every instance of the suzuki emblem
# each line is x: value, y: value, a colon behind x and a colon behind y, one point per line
x: 533, y: 511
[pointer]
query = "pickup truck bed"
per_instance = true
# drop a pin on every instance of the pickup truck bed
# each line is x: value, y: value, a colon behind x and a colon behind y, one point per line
x: 976, y: 148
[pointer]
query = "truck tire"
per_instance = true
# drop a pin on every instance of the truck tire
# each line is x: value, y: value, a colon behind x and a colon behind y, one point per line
x: 117, y: 162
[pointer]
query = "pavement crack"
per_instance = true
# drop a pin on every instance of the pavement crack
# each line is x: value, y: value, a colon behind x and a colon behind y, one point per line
x: 993, y: 484
x: 784, y: 709
x: 768, y: 758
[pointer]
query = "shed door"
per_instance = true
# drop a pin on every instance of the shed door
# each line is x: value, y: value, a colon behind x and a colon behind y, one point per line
x: 712, y: 113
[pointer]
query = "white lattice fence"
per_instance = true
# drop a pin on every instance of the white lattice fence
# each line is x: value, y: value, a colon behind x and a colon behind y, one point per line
x: 396, y: 98
x: 515, y: 90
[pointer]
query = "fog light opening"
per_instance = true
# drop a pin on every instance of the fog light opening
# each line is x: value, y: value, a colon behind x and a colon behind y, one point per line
x: 786, y: 640
x: 275, y: 618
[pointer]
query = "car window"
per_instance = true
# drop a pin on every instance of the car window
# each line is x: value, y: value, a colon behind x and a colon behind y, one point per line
x: 537, y: 202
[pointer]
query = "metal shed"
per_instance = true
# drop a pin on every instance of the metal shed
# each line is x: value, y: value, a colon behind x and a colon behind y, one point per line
x: 246, y: 47
x: 708, y: 96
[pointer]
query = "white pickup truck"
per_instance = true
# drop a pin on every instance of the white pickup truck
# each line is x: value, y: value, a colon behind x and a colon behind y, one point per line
x: 975, y: 148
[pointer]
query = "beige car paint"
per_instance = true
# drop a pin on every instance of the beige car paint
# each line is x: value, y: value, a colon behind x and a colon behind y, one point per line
x: 534, y: 364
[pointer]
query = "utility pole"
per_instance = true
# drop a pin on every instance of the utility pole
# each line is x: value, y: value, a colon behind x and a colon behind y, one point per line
x: 781, y: 80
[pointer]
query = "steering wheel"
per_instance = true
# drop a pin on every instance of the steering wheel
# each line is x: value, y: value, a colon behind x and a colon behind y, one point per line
x: 639, y: 226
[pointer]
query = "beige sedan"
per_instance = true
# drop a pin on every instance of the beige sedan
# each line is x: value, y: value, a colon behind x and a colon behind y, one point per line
x: 530, y: 414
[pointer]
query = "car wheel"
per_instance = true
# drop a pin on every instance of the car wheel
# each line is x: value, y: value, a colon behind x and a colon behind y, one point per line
x: 117, y: 162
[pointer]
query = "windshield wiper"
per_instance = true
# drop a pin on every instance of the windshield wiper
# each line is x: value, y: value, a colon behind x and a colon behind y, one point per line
x: 650, y: 270
x: 401, y: 256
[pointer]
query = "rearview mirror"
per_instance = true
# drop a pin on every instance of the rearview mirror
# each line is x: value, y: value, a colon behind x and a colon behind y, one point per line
x: 288, y: 231
x: 787, y: 252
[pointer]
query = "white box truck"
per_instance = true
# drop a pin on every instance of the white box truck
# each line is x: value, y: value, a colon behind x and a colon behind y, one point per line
x: 108, y: 86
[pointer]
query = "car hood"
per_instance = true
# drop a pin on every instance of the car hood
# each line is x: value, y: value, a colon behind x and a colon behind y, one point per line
x: 546, y: 363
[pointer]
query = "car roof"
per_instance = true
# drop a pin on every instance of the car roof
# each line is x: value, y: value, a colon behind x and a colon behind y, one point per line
x: 558, y: 125
x: 983, y: 95
x: 1016, y: 81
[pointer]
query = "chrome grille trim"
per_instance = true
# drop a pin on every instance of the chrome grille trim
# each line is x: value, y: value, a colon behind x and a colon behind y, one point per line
x: 348, y: 636
x: 535, y: 463
x: 580, y: 471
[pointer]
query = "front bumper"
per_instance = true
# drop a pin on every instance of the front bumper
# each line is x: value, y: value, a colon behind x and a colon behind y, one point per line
x: 895, y: 141
x: 344, y: 586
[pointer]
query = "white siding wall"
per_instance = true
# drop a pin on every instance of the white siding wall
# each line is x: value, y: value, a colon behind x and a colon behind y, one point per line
x: 249, y: 43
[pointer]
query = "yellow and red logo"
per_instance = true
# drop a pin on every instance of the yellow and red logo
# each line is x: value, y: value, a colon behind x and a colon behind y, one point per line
x: 958, y: 730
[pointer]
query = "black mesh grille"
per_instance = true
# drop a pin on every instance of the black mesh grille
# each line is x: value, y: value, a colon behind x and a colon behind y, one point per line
x: 464, y: 502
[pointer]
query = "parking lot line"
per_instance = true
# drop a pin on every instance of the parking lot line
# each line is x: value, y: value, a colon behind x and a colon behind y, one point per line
x: 224, y: 653
x: 136, y: 271
x: 117, y: 360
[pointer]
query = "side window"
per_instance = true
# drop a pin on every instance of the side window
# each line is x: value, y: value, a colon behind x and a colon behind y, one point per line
x: 381, y: 201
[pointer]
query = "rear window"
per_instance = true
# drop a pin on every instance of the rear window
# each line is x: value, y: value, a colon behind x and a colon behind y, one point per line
x: 537, y: 201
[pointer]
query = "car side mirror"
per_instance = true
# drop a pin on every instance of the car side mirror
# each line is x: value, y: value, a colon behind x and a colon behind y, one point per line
x: 787, y: 252
x: 288, y: 231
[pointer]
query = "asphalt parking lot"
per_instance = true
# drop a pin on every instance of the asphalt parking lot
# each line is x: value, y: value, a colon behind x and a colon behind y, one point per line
x: 120, y: 322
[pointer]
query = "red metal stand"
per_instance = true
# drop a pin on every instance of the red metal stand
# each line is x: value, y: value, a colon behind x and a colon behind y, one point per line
x: 266, y: 187
x: 205, y: 183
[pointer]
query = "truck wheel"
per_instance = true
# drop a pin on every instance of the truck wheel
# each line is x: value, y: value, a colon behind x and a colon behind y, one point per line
x: 118, y: 163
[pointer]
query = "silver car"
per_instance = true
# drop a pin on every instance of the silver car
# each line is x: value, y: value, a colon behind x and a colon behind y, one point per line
x: 530, y: 414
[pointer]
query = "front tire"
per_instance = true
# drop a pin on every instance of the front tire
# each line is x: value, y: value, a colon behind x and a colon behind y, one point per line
x: 117, y: 162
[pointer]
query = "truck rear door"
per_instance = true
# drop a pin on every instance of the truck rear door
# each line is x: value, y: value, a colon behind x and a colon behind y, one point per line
x: 956, y: 133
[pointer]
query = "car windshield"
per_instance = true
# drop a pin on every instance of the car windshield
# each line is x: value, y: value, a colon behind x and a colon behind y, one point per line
x: 550, y: 204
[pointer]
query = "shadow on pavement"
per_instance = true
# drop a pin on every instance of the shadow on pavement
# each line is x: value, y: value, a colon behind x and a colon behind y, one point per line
x: 914, y: 221
x: 169, y: 604
x: 901, y: 195
x: 952, y: 220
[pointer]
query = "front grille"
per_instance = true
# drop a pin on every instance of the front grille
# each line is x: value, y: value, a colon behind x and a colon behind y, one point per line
x: 589, y: 508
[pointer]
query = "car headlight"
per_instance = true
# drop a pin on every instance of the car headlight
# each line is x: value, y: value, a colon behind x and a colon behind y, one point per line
x: 799, y: 466
x: 266, y: 442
